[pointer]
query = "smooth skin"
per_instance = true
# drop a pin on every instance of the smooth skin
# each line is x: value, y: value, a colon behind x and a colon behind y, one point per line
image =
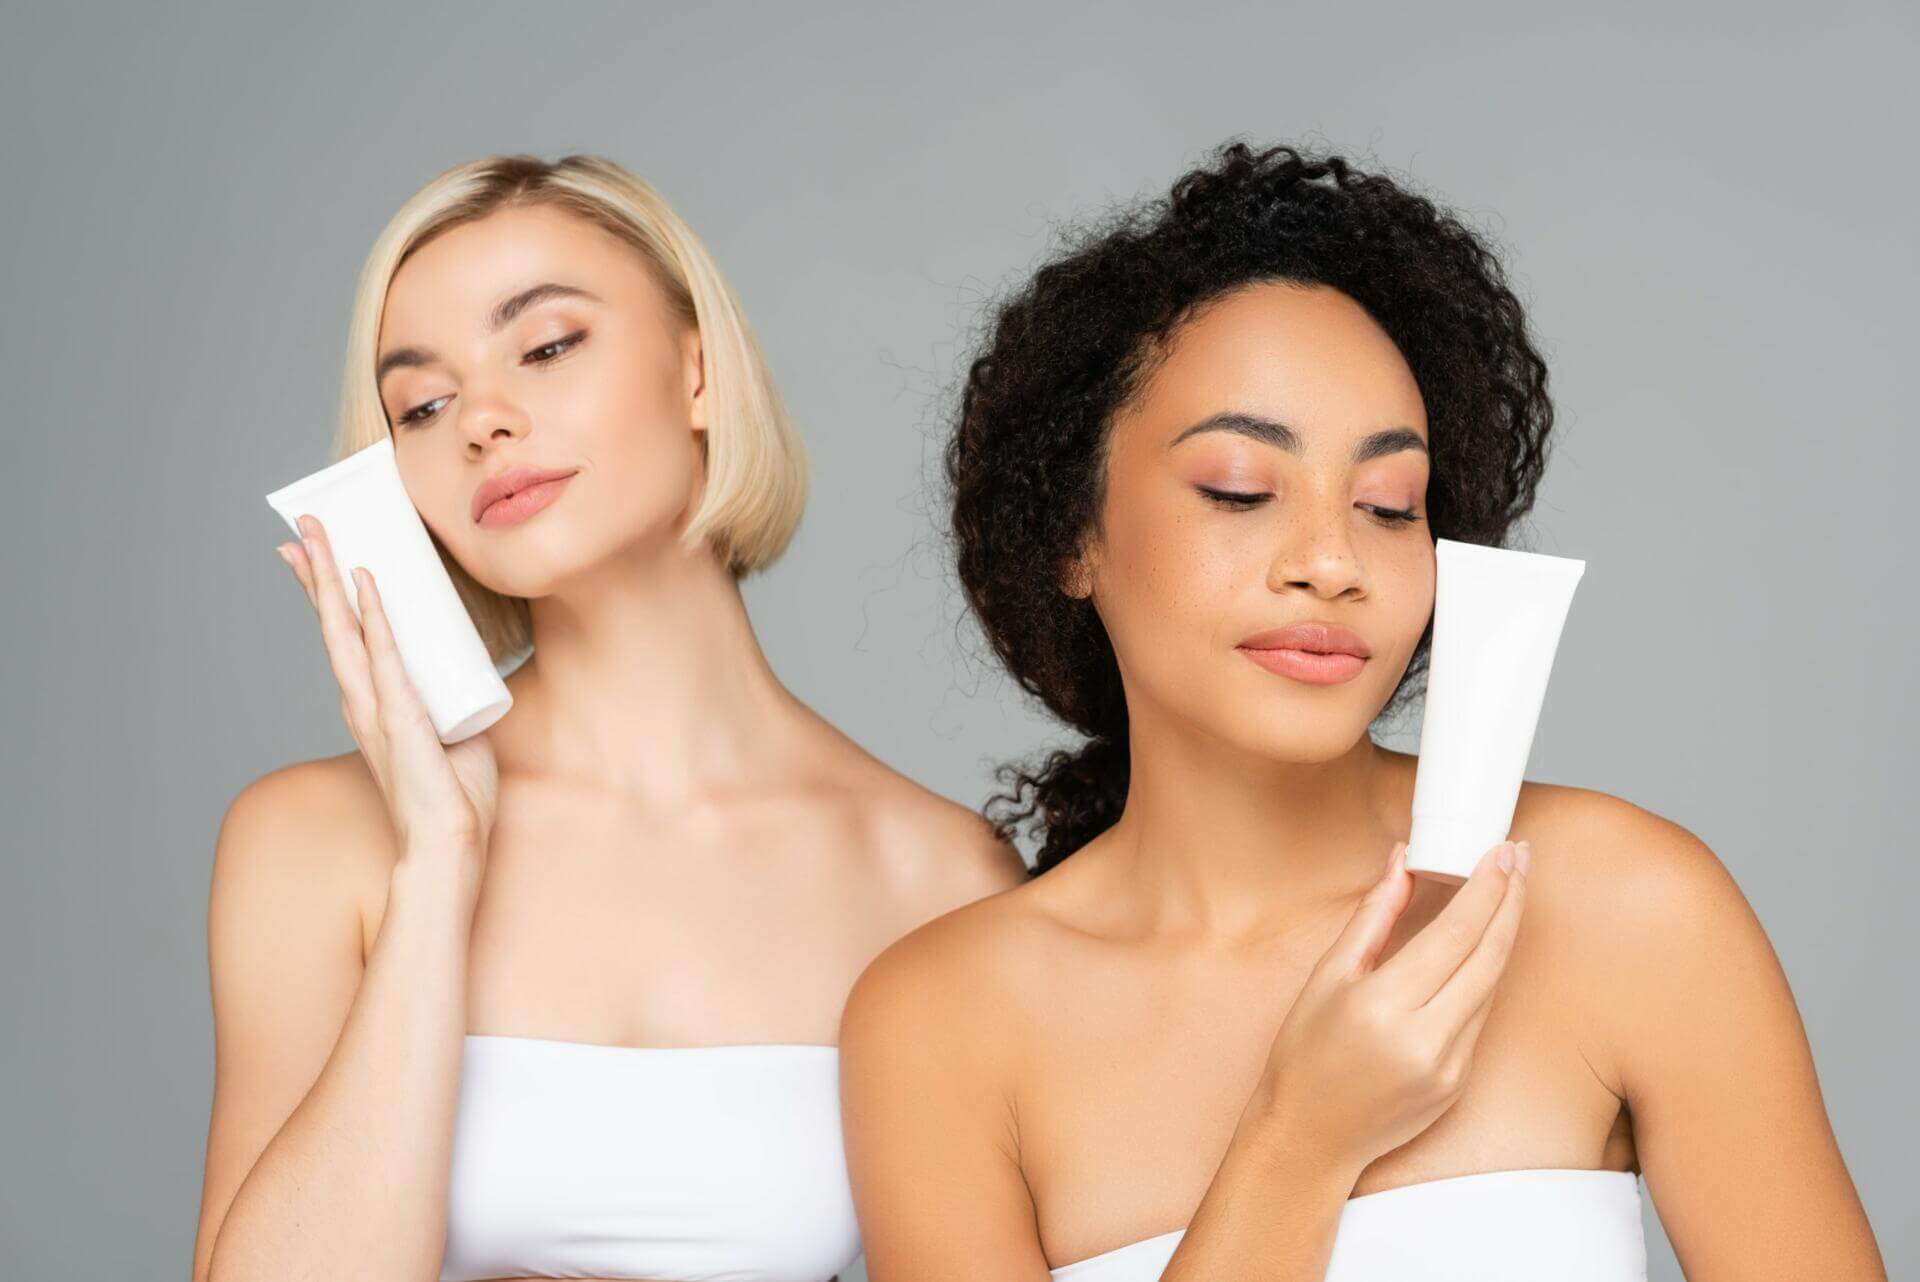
x: 1156, y: 1034
x: 657, y: 846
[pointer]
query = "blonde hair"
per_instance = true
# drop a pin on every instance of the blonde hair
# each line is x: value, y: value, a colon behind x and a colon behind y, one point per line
x: 756, y: 468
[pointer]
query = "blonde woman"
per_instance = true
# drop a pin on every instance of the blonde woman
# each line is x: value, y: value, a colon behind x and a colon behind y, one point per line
x: 560, y: 1000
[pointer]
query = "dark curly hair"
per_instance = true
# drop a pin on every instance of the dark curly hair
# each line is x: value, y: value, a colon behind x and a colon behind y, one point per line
x: 1026, y: 461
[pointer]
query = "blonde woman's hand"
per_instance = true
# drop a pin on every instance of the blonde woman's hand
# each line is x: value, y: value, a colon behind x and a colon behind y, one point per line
x: 440, y: 797
x: 1372, y: 1053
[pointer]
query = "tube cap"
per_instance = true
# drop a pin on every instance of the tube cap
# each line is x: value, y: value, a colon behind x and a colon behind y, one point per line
x: 1450, y: 847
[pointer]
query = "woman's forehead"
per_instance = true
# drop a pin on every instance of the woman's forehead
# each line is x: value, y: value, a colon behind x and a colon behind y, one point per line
x: 1309, y: 357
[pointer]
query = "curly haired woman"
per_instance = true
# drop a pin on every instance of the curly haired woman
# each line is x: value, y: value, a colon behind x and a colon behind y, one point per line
x: 1223, y: 1033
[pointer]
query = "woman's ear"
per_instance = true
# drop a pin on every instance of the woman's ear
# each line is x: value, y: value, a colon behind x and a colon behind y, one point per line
x: 693, y: 366
x: 1076, y: 580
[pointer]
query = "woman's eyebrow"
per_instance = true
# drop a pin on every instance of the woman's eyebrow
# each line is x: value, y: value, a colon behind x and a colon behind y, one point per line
x: 502, y: 314
x: 1273, y: 432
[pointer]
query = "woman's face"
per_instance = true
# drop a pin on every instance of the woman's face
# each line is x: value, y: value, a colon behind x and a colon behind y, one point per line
x: 1247, y: 490
x: 598, y: 378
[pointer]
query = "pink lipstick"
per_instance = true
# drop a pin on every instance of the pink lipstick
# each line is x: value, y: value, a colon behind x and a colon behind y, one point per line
x: 1317, y: 653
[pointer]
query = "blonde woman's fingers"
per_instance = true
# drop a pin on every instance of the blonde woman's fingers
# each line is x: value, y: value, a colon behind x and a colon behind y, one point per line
x: 346, y: 647
x: 401, y: 711
x: 296, y: 558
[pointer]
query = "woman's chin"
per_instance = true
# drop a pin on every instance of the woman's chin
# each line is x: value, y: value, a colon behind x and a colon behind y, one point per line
x: 1293, y: 736
x: 542, y: 563
x: 528, y: 577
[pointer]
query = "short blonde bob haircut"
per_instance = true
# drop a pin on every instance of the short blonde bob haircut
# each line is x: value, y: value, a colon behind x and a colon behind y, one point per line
x: 756, y: 468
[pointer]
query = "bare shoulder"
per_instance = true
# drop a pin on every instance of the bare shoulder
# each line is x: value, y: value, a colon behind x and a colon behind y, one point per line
x: 315, y: 832
x: 932, y: 854
x: 954, y: 980
x: 1618, y: 863
x: 1628, y: 909
x: 329, y: 804
x: 951, y: 851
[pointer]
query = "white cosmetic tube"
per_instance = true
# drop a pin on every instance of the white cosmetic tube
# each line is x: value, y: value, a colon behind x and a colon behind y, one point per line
x: 370, y: 521
x: 1497, y: 618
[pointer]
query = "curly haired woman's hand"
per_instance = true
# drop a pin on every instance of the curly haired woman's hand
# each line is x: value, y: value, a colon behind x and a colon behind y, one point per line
x: 1371, y: 1054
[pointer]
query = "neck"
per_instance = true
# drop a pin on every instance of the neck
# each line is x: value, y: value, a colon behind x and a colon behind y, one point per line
x: 1227, y: 842
x: 646, y: 677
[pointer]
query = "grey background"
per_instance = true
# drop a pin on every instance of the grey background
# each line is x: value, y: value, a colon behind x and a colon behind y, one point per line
x: 1710, y: 211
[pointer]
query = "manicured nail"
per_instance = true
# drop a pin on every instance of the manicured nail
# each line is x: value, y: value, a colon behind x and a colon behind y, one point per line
x: 1504, y: 856
x: 281, y: 552
x: 1523, y: 856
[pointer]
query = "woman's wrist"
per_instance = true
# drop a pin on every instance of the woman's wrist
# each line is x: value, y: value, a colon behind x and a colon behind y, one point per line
x: 1276, y: 1198
x: 437, y: 872
x: 1285, y: 1146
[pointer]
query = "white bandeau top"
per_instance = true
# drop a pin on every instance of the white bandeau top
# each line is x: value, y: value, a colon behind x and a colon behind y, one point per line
x: 679, y: 1163
x: 1566, y: 1224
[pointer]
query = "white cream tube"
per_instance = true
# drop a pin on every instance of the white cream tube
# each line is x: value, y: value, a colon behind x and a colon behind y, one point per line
x: 1497, y: 618
x: 370, y: 521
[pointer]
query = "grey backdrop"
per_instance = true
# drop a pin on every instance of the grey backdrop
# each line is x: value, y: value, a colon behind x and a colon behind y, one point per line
x: 1710, y: 211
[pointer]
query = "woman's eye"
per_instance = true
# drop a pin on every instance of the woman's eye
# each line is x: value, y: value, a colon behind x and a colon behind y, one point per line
x: 563, y: 345
x: 1233, y: 498
x: 414, y: 414
x: 1393, y: 516
x: 1240, y: 501
x: 559, y: 347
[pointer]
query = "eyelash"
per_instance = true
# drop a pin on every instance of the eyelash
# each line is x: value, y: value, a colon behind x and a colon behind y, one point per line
x: 565, y: 345
x: 1241, y: 502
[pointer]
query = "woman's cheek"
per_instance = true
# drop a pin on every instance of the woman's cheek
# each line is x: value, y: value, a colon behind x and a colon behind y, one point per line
x: 1415, y: 588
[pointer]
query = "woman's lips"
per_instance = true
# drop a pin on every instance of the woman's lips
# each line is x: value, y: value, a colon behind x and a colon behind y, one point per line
x: 521, y: 504
x: 1305, y: 665
x: 1320, y: 653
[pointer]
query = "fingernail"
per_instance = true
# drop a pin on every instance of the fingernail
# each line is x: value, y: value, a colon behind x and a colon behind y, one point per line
x: 1503, y: 855
x: 1523, y: 856
x: 281, y: 551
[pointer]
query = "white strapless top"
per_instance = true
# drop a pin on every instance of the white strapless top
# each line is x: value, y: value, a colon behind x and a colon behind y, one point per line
x: 684, y: 1163
x: 1566, y: 1224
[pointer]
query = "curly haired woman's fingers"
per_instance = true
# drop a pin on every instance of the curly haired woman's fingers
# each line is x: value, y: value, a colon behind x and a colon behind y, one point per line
x: 1460, y: 1007
x: 1365, y: 934
x: 1423, y: 964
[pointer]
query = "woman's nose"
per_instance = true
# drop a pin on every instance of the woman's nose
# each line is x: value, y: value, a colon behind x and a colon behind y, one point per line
x: 490, y: 418
x: 1316, y: 552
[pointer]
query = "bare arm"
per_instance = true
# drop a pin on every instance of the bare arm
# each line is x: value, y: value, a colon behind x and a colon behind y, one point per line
x: 1732, y: 1132
x: 932, y: 1147
x: 336, y: 1088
